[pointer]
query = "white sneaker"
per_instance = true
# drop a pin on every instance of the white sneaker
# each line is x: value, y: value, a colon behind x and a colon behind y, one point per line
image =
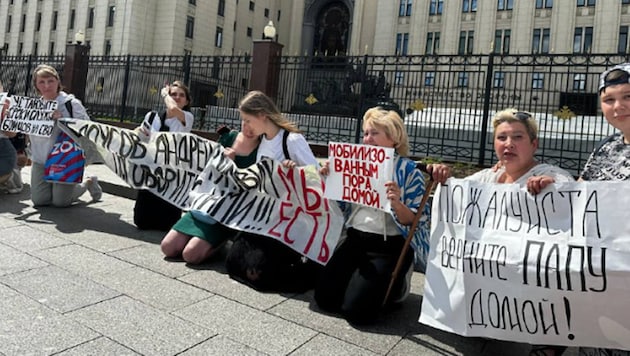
x: 94, y: 188
x: 14, y: 184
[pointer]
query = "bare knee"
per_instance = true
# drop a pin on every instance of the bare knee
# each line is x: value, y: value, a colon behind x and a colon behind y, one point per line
x: 173, y: 244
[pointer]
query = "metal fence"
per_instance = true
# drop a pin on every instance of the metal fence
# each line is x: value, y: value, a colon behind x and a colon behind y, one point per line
x: 447, y: 101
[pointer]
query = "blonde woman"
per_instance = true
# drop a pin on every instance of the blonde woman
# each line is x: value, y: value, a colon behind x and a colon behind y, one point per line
x: 48, y: 84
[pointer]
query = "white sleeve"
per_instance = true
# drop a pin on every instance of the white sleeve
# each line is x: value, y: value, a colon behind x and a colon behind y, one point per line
x: 190, y: 120
x: 300, y: 151
x: 78, y: 110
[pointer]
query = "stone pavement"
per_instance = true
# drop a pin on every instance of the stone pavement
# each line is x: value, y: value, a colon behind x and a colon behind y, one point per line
x: 84, y: 281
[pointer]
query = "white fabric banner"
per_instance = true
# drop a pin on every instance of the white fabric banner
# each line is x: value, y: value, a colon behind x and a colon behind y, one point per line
x: 191, y: 172
x: 546, y: 269
x: 358, y: 173
x: 32, y: 116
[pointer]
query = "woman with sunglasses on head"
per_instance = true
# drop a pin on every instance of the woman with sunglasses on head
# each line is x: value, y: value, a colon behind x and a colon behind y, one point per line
x: 515, y: 143
x: 609, y: 161
x: 151, y: 212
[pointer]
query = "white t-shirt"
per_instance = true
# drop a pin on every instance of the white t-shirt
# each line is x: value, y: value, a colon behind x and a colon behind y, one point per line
x: 298, y: 148
x: 173, y: 123
x: 559, y: 174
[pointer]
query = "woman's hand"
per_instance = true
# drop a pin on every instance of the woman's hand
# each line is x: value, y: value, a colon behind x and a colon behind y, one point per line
x: 287, y: 163
x: 229, y: 153
x: 536, y: 184
x: 56, y: 115
x: 325, y: 168
x: 439, y: 172
x: 393, y: 191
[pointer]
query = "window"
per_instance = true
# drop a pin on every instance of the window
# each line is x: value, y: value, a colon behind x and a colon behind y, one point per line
x: 278, y: 17
x: 505, y: 5
x: 20, y: 48
x: 53, y: 26
x: 540, y: 40
x: 23, y: 23
x: 435, y: 7
x: 218, y: 38
x: 73, y: 14
x: 51, y: 48
x: 108, y: 48
x: 190, y: 26
x: 111, y: 15
x: 251, y: 6
x: 538, y: 80
x: 466, y: 39
x: 429, y: 79
x: 90, y: 18
x: 623, y: 39
x: 579, y: 82
x: 502, y: 41
x: 402, y: 43
x: 221, y: 10
x: 405, y: 8
x: 35, y: 48
x: 499, y: 80
x: 38, y: 21
x: 585, y: 2
x: 462, y: 79
x: 266, y: 12
x: 9, y: 23
x: 582, y: 40
x: 544, y: 4
x: 625, y: 2
x: 469, y: 6
x: 433, y: 43
x: 192, y: 2
x: 249, y: 32
x: 399, y: 78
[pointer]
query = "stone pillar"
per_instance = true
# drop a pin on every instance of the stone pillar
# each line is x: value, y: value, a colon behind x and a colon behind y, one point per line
x: 265, y: 75
x: 75, y: 70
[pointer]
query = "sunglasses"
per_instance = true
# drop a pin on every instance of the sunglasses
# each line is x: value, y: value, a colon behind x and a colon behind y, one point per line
x: 522, y: 115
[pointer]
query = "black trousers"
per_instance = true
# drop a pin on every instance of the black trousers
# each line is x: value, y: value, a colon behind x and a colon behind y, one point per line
x: 154, y: 213
x: 356, y: 278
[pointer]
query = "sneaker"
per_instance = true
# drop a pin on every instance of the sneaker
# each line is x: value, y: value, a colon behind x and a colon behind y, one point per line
x: 14, y: 184
x: 94, y: 188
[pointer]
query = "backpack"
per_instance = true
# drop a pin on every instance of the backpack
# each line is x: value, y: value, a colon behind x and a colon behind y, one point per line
x: 163, y: 128
x: 285, y: 147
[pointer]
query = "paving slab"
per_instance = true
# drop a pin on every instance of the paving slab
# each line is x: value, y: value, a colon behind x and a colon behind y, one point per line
x: 221, y: 345
x: 13, y: 260
x: 257, y: 329
x: 99, y: 346
x: 27, y: 239
x: 81, y: 260
x: 150, y: 256
x: 28, y: 327
x: 152, y: 288
x: 58, y: 289
x: 141, y: 328
x: 327, y: 345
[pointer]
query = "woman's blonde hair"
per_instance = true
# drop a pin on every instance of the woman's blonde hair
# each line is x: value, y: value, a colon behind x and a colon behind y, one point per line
x: 513, y: 115
x: 257, y: 103
x: 393, y: 126
x: 44, y: 70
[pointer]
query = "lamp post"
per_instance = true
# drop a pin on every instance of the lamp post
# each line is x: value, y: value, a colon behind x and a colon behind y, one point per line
x: 269, y: 31
x: 75, y: 66
x: 265, y: 73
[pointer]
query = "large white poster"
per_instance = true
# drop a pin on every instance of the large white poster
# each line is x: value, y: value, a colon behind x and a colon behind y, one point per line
x: 547, y: 269
x: 191, y: 172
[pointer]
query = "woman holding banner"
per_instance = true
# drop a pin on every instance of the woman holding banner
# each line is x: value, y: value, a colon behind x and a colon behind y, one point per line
x: 48, y: 84
x: 355, y: 280
x: 262, y: 262
x: 150, y: 211
x: 515, y: 143
x: 195, y: 237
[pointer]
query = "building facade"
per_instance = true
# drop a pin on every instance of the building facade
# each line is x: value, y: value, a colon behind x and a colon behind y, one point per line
x: 323, y: 27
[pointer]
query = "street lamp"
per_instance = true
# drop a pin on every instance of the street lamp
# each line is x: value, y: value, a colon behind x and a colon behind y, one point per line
x: 79, y: 37
x: 269, y: 31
